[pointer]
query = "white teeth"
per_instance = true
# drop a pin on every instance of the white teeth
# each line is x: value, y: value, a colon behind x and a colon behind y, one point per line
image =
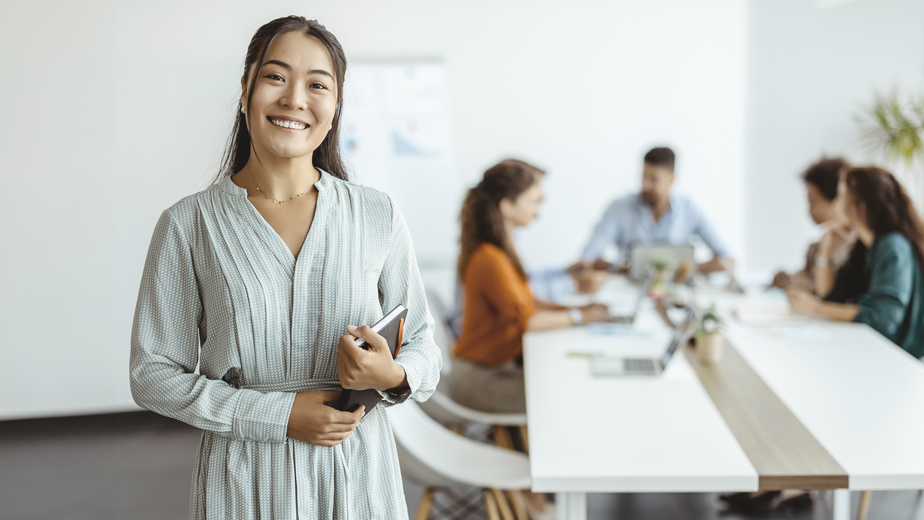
x: 289, y: 124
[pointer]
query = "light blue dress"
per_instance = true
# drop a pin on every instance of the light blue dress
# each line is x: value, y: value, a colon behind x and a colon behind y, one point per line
x: 229, y: 325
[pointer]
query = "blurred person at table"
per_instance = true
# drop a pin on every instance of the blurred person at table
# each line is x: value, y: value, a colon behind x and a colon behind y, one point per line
x: 826, y: 256
x: 881, y: 284
x: 656, y: 215
x: 487, y: 372
x: 823, y: 259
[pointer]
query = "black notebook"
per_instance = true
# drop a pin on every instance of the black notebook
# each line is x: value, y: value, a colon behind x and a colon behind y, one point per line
x: 390, y: 327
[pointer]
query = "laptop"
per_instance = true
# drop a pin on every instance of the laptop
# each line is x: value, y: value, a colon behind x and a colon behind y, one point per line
x: 626, y: 316
x: 672, y: 256
x: 601, y: 365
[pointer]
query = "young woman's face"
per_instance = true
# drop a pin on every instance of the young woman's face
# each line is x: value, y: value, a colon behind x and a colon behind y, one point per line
x: 294, y: 97
x: 820, y: 208
x: 523, y: 210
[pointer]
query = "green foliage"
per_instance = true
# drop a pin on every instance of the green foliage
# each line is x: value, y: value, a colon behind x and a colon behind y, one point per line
x: 895, y: 127
x: 659, y: 263
x: 710, y: 321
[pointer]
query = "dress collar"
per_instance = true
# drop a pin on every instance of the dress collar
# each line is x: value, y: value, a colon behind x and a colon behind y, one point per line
x: 227, y: 185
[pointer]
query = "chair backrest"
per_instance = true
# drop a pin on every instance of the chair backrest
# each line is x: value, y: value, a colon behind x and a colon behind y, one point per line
x: 442, y: 334
x: 433, y: 455
x: 445, y: 411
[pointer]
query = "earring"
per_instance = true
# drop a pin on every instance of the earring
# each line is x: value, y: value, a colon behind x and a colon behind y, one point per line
x: 243, y: 110
x: 331, y: 128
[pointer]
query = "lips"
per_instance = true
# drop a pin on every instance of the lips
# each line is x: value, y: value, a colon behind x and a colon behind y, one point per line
x: 288, y: 123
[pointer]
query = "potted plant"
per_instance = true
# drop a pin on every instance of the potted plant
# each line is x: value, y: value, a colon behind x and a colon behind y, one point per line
x: 709, y: 339
x: 658, y: 269
x: 894, y: 131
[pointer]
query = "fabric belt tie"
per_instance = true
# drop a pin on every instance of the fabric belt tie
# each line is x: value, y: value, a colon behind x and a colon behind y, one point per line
x: 306, y: 385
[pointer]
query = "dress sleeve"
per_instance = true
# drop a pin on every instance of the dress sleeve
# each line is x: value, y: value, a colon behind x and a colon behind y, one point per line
x: 165, y: 352
x: 400, y: 283
x: 883, y: 306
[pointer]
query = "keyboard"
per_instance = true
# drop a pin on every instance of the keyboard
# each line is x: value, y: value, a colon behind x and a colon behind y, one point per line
x: 640, y: 366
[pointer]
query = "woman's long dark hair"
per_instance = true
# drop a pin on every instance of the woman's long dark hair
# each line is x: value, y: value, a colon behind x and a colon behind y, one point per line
x: 888, y: 210
x: 327, y: 155
x: 481, y: 218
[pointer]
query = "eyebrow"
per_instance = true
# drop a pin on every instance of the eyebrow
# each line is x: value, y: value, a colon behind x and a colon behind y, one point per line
x: 289, y: 67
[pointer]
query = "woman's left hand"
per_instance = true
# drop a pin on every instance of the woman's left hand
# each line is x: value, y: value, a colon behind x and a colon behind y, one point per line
x: 361, y: 369
x: 801, y: 300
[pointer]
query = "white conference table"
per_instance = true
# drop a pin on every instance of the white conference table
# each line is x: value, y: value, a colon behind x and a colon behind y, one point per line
x: 858, y: 394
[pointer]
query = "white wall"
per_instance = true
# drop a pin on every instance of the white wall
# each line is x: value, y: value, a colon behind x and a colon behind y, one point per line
x: 115, y: 110
x: 811, y: 72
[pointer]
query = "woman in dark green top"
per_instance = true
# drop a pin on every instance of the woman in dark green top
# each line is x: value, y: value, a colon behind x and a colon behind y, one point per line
x: 881, y: 284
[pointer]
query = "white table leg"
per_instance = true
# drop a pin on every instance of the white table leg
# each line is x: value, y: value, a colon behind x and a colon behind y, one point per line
x: 841, y: 505
x: 571, y: 506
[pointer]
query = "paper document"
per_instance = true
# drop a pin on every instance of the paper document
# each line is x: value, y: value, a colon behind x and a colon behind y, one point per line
x: 620, y: 304
x: 615, y: 329
x: 791, y: 332
x: 765, y: 314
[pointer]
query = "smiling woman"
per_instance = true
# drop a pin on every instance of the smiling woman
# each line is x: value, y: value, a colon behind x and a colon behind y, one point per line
x: 327, y: 154
x: 256, y: 281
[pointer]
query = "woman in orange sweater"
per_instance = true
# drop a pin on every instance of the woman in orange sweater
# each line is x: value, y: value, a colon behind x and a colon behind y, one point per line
x: 487, y: 372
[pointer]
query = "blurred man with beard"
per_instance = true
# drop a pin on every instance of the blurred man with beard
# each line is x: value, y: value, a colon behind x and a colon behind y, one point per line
x: 654, y: 216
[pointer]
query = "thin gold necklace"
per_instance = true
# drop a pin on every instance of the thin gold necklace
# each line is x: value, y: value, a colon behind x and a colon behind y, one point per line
x: 276, y: 201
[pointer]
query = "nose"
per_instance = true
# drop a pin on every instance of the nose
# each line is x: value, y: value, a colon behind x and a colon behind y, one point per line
x: 294, y: 97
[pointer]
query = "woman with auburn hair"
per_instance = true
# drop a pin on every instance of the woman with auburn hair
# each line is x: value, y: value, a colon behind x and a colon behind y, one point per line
x: 881, y: 284
x: 250, y: 299
x: 499, y: 305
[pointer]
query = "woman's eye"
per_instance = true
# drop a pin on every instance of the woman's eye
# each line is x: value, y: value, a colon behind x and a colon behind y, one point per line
x: 318, y: 85
x: 276, y: 77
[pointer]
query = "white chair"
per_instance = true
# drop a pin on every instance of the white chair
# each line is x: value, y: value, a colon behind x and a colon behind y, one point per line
x: 448, y: 412
x: 440, y: 406
x: 433, y: 456
x: 442, y: 334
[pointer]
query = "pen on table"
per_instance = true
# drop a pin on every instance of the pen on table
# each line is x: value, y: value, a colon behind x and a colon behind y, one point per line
x: 586, y: 355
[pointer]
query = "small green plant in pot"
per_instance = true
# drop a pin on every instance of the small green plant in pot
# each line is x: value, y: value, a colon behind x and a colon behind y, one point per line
x: 709, y: 339
x: 660, y: 267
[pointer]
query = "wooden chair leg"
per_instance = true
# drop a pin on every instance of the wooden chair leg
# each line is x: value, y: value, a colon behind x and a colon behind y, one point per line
x: 864, y: 505
x: 426, y: 502
x: 490, y: 505
x: 502, y: 504
x: 518, y: 503
x: 524, y: 434
x: 502, y: 437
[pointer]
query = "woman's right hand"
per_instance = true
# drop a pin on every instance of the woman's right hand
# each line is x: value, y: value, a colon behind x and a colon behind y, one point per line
x: 314, y: 422
x: 781, y: 280
x: 595, y: 312
x: 589, y: 280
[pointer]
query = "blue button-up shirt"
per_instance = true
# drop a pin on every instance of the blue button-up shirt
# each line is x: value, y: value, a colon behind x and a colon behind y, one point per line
x: 629, y: 221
